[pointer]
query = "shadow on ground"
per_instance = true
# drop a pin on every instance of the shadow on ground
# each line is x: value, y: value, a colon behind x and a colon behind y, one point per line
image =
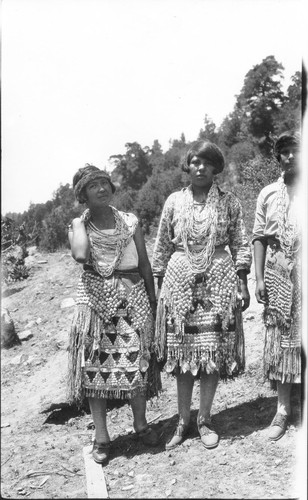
x: 236, y: 422
x: 232, y: 423
x: 10, y: 291
x: 62, y: 413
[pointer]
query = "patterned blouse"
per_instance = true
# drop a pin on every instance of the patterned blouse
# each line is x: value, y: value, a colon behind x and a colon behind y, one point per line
x: 231, y: 231
x: 266, y: 218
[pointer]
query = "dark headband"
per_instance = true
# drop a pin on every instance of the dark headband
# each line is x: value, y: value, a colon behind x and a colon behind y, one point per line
x: 86, y: 178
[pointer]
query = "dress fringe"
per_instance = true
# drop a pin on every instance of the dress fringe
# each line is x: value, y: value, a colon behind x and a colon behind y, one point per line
x: 282, y: 319
x: 85, y: 320
x: 282, y: 364
x: 226, y: 354
x: 199, y: 319
x: 82, y: 319
x: 114, y: 393
x: 160, y: 330
x: 239, y: 343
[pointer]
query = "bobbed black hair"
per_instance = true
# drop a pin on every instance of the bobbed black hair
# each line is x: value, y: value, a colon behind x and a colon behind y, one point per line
x: 206, y: 150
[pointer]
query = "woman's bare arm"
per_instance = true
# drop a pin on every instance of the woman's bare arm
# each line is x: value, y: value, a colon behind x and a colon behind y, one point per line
x: 79, y: 241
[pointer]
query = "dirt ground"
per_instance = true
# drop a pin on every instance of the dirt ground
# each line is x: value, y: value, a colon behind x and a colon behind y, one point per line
x: 42, y: 438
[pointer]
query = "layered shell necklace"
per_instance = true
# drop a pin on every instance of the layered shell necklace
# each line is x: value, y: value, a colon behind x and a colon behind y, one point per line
x: 288, y: 229
x: 103, y: 243
x: 198, y: 229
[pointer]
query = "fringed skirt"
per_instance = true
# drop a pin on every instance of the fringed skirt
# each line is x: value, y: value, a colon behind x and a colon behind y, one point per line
x: 199, y: 319
x: 282, y: 317
x: 111, y: 340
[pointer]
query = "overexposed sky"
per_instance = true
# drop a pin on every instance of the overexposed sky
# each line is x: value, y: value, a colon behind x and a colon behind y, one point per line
x: 80, y: 78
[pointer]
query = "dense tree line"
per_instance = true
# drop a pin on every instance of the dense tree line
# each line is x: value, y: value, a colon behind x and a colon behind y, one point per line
x: 145, y: 176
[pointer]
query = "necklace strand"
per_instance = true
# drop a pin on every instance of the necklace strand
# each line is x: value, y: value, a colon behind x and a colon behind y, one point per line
x: 288, y: 231
x: 196, y: 228
x: 106, y: 243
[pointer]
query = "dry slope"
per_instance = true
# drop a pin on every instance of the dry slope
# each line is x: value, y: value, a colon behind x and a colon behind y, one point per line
x: 43, y: 438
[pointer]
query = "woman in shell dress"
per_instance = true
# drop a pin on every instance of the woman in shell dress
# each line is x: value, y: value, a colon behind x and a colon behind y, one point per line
x: 113, y: 327
x: 201, y: 259
x: 276, y: 240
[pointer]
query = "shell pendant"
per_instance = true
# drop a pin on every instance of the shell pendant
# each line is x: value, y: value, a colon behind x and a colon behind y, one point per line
x: 170, y: 365
x: 194, y: 368
x: 143, y: 364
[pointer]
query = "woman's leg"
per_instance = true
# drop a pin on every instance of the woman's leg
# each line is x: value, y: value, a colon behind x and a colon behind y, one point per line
x: 98, y: 409
x: 101, y: 446
x: 185, y: 384
x: 138, y: 404
x: 208, y: 386
x: 147, y: 435
x: 284, y: 398
x: 279, y: 424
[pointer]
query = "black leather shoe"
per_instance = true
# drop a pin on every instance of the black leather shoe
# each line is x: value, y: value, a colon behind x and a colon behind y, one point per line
x: 100, y: 452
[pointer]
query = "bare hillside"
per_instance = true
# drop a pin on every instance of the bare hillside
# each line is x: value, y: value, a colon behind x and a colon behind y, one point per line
x: 43, y: 438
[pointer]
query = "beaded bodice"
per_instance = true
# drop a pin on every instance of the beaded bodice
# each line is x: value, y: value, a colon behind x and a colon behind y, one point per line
x: 107, y: 247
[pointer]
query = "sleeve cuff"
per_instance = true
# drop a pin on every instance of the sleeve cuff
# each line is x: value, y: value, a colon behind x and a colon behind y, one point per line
x: 258, y: 238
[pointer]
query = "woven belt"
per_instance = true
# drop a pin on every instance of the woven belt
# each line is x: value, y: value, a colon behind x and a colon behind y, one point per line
x: 195, y: 246
x: 131, y: 274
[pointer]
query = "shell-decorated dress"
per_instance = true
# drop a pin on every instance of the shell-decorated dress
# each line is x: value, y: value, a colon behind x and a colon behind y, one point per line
x: 199, y: 319
x: 276, y: 224
x: 113, y: 326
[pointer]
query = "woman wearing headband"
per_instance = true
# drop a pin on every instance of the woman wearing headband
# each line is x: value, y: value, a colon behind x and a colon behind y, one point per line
x: 113, y: 327
x: 203, y: 287
x: 276, y: 240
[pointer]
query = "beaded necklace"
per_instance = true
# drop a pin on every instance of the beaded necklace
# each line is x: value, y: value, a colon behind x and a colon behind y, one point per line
x: 199, y: 229
x: 104, y: 243
x: 288, y: 230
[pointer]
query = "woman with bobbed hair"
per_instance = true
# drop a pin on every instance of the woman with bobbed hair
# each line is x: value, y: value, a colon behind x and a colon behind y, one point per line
x: 205, y: 150
x: 276, y: 241
x: 201, y: 260
x: 112, y: 331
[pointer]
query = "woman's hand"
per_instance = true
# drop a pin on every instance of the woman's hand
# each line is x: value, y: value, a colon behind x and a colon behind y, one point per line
x: 159, y: 285
x: 242, y: 275
x: 76, y: 222
x: 245, y: 296
x: 260, y: 292
x: 153, y: 305
x: 260, y: 247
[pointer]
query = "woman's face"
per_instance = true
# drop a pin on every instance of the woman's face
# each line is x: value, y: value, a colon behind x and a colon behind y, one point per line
x: 98, y: 193
x: 201, y: 172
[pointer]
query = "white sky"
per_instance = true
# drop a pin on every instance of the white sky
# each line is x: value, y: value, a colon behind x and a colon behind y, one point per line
x: 80, y: 78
